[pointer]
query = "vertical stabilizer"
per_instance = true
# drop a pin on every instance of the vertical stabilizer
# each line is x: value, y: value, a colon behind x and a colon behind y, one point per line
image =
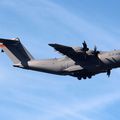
x: 16, y: 51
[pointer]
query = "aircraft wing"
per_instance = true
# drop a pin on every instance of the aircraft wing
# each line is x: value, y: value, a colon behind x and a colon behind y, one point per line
x: 65, y: 50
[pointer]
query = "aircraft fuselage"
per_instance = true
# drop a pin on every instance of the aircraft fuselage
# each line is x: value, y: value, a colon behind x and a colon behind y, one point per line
x: 106, y: 61
x: 80, y: 62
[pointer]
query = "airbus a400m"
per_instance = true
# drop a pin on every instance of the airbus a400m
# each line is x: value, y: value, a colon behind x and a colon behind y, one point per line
x: 80, y: 62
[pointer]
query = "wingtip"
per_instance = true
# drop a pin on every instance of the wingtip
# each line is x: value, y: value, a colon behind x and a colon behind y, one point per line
x: 51, y: 44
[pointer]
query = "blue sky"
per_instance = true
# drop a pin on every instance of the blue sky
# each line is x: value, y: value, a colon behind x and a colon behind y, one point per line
x: 29, y: 95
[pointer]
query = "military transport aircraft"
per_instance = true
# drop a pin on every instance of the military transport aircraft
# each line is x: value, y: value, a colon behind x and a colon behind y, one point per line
x: 80, y: 62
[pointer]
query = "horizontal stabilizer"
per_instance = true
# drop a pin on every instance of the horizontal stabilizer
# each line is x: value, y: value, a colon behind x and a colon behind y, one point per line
x: 9, y: 41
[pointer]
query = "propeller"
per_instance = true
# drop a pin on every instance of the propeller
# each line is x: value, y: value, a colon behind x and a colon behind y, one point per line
x: 85, y: 48
x: 108, y: 73
x: 95, y: 48
x: 96, y: 52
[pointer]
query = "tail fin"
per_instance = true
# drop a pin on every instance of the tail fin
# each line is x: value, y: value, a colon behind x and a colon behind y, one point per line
x: 16, y: 51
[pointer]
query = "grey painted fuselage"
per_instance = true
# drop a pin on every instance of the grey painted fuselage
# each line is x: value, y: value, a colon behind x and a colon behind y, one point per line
x: 78, y: 62
x: 61, y: 66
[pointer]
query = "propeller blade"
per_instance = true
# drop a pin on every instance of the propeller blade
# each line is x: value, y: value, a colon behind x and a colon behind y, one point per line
x: 85, y: 48
x: 95, y: 49
x: 96, y: 52
x: 108, y: 73
x: 84, y: 44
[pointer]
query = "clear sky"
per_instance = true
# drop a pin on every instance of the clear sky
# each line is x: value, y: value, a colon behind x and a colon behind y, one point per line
x: 28, y: 95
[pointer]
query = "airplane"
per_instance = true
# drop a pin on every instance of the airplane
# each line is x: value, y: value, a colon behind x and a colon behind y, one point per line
x: 80, y: 62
